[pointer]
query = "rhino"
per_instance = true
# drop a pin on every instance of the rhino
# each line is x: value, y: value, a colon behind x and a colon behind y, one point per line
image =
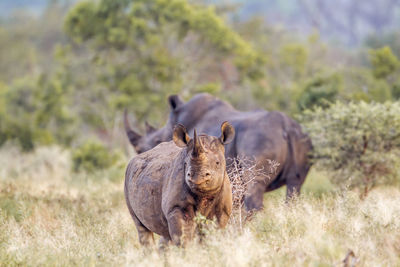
x: 260, y: 135
x: 168, y: 185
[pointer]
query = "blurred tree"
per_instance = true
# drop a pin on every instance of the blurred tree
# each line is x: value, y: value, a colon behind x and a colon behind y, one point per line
x: 139, y: 51
x: 27, y: 42
x: 360, y: 84
x: 383, y: 62
x: 320, y: 91
x: 396, y: 89
x: 391, y: 39
x: 386, y: 68
x: 34, y: 112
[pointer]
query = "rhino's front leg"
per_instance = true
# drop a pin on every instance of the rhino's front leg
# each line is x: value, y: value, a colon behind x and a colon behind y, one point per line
x: 222, y: 219
x: 181, y: 226
x: 224, y: 212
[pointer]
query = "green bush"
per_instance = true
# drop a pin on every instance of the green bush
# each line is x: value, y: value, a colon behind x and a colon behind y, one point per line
x: 360, y: 84
x: 383, y: 62
x: 359, y: 143
x: 34, y: 111
x: 320, y: 91
x: 93, y: 156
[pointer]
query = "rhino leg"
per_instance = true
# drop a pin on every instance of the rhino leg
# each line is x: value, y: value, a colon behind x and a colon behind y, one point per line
x: 292, y: 190
x: 223, y: 219
x: 163, y: 243
x: 254, y: 197
x: 181, y: 227
x: 146, y: 237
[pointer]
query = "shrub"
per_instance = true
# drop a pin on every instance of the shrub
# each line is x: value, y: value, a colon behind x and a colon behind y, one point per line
x: 320, y: 91
x: 34, y: 111
x: 358, y: 142
x: 93, y: 156
x: 383, y: 62
x: 359, y: 85
x: 396, y: 90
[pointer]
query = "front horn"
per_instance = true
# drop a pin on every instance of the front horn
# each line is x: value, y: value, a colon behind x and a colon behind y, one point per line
x: 197, y: 145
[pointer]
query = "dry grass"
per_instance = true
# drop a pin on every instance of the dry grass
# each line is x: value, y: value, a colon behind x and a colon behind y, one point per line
x: 52, y: 217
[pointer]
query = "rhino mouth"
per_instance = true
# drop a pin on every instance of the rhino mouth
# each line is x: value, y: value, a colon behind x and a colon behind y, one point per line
x: 203, y: 190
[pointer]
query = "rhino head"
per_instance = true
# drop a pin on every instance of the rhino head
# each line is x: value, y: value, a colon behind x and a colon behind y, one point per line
x: 204, y: 163
x: 153, y: 136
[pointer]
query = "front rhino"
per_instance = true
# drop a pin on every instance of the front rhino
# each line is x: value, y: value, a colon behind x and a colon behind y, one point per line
x: 166, y: 186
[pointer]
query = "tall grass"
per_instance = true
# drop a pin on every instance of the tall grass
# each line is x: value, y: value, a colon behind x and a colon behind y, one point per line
x: 50, y: 216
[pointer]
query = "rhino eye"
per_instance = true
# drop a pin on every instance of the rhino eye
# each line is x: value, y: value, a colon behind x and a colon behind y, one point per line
x: 188, y: 174
x: 208, y: 174
x: 217, y: 162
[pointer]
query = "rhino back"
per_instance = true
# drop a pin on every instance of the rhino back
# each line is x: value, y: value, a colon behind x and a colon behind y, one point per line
x: 202, y: 111
x: 260, y: 135
x: 145, y: 176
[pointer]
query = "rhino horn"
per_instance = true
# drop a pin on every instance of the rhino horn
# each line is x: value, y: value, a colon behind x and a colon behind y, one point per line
x: 132, y: 135
x: 197, y: 145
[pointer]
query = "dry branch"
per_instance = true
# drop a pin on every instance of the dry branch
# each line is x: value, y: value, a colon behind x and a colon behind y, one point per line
x: 242, y: 171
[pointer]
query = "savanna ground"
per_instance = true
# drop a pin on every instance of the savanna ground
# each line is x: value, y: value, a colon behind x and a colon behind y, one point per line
x: 51, y: 216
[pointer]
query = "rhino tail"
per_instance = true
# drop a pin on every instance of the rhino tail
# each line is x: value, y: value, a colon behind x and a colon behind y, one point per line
x: 291, y: 137
x: 298, y: 143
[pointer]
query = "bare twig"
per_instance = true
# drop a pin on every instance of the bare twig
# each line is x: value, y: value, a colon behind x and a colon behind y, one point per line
x: 241, y: 172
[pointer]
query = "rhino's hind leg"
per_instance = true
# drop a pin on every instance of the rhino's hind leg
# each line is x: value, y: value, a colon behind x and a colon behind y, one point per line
x: 254, y: 196
x: 146, y: 237
x: 292, y: 190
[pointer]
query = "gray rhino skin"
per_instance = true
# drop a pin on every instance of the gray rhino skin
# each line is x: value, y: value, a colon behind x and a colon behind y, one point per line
x: 260, y: 135
x: 166, y: 186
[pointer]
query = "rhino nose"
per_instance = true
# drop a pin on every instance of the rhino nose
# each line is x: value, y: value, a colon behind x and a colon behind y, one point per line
x: 206, y: 180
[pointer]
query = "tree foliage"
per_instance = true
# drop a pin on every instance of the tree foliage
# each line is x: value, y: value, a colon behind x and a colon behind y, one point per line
x: 138, y: 49
x: 93, y: 156
x: 383, y: 62
x: 320, y: 91
x: 34, y: 112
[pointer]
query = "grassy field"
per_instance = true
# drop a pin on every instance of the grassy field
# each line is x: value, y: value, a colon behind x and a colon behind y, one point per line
x: 50, y: 216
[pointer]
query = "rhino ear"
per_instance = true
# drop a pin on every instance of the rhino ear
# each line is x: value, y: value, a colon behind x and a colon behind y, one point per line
x: 180, y: 136
x: 175, y: 102
x: 149, y: 128
x: 227, y: 133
